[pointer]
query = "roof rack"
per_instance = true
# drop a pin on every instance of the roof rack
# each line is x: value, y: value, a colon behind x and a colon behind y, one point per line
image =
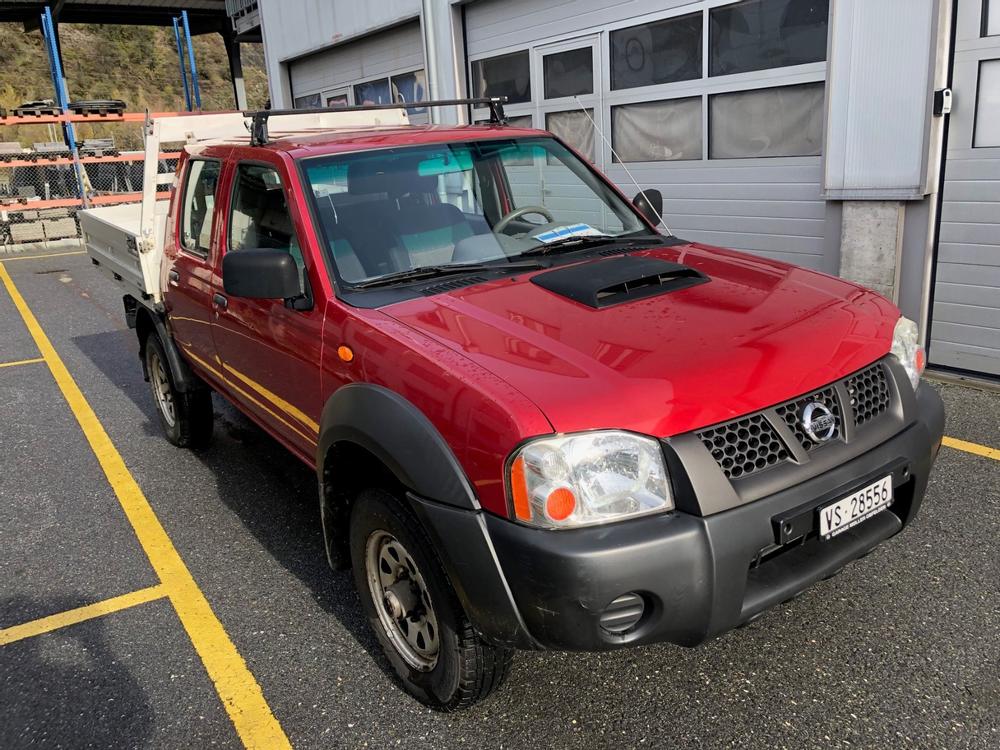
x: 258, y: 130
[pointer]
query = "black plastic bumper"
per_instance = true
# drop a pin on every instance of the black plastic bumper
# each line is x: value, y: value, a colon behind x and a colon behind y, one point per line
x: 698, y: 576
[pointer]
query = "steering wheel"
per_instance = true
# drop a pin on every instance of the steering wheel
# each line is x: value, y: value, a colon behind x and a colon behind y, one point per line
x: 517, y: 213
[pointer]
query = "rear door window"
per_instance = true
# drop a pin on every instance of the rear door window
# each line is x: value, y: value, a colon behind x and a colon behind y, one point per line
x: 198, y: 208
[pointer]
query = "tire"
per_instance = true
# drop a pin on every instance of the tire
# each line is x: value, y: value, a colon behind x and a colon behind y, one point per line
x: 462, y: 669
x: 187, y: 418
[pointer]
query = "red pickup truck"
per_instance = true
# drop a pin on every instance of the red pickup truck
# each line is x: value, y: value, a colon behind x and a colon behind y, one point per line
x: 537, y: 420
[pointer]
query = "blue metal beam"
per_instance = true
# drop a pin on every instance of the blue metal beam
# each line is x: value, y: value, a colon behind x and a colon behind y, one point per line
x: 62, y: 97
x: 194, y: 67
x: 180, y: 59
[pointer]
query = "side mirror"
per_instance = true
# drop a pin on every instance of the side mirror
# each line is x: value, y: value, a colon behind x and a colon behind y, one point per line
x: 650, y: 204
x: 264, y: 274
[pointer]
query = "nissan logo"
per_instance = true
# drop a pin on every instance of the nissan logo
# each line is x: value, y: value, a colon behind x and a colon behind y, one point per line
x: 818, y: 422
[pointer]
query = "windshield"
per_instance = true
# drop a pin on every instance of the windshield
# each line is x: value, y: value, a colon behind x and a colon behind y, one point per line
x: 390, y: 211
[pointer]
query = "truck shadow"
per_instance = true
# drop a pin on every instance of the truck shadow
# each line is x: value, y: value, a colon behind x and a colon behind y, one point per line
x: 272, y: 493
x: 70, y: 688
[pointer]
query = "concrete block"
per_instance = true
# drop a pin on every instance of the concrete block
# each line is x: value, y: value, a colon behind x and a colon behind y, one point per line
x: 871, y: 238
x: 29, y: 231
x: 53, y: 213
x: 57, y: 229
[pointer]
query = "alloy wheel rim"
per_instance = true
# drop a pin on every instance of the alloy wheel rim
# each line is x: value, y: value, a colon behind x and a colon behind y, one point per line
x: 161, y: 388
x: 402, y: 601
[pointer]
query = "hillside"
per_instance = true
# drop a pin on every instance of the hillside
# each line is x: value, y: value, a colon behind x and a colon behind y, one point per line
x: 137, y: 64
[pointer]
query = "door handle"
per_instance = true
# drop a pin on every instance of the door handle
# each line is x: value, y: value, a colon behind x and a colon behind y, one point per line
x: 219, y: 300
x: 173, y: 277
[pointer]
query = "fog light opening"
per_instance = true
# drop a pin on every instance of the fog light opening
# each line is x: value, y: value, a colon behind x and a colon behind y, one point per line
x: 624, y: 614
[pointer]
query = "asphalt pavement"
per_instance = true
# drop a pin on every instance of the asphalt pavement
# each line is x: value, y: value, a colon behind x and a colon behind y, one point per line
x: 901, y: 650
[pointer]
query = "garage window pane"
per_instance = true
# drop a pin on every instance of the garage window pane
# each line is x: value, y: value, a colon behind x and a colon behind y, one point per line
x: 991, y: 19
x: 506, y: 75
x: 761, y: 34
x: 411, y: 87
x: 373, y: 92
x: 783, y: 121
x: 309, y: 101
x: 988, y: 105
x: 569, y: 73
x: 659, y: 52
x: 521, y: 121
x: 657, y: 131
x: 574, y: 128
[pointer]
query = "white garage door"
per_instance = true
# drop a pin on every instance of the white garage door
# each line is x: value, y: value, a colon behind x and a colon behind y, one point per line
x: 965, y: 329
x: 717, y: 105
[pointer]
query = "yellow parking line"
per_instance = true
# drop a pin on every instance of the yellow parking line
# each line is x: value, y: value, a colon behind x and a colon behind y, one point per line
x: 236, y: 686
x: 43, y: 255
x: 21, y: 362
x: 965, y: 445
x: 80, y: 614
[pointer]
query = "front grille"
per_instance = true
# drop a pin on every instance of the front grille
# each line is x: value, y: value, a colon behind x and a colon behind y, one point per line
x: 751, y: 444
x: 791, y: 412
x: 744, y: 446
x: 869, y: 391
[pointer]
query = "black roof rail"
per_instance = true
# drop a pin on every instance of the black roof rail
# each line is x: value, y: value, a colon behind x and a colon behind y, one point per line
x: 258, y: 129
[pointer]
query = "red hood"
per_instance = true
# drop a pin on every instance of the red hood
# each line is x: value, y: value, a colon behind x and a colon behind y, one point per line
x: 758, y: 333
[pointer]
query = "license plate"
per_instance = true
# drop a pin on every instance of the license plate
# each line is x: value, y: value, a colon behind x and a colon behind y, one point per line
x: 859, y: 506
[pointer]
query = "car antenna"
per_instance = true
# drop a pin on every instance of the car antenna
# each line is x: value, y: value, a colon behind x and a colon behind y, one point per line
x: 620, y: 160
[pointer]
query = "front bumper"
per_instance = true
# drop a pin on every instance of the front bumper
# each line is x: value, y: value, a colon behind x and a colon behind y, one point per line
x: 698, y: 575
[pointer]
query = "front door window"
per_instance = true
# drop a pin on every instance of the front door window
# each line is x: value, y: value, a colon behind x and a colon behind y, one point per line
x: 260, y: 216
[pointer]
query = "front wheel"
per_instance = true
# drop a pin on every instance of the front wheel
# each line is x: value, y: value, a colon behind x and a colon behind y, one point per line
x: 414, y: 611
x: 187, y: 418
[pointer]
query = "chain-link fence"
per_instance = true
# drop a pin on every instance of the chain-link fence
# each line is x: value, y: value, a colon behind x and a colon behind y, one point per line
x: 40, y: 191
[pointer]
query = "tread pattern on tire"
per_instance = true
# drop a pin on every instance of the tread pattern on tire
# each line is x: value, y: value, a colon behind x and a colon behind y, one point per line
x: 198, y: 422
x: 496, y: 663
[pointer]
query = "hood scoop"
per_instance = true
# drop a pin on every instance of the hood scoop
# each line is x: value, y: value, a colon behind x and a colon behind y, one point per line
x: 614, y: 281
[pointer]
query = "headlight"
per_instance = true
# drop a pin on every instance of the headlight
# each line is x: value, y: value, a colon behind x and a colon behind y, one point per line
x: 588, y: 478
x: 906, y: 348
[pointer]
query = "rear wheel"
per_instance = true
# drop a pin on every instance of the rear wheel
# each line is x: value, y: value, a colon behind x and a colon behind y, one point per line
x: 187, y: 418
x: 414, y: 611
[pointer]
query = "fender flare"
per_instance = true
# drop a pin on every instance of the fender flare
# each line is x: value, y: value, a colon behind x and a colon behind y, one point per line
x: 145, y: 321
x: 436, y: 489
x: 400, y: 436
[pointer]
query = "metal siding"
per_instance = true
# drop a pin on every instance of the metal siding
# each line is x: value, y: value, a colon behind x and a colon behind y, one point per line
x: 396, y: 50
x: 495, y: 24
x: 758, y: 205
x: 965, y: 332
x: 298, y: 27
x: 877, y: 124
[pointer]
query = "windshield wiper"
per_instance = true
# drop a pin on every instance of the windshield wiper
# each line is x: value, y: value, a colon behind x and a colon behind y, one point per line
x: 430, y: 272
x: 565, y: 244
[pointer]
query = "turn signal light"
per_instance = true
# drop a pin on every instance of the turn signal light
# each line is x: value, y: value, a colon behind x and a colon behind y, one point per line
x: 345, y: 353
x: 519, y: 491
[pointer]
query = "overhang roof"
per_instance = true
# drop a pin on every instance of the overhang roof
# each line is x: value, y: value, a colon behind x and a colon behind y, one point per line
x: 204, y: 15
